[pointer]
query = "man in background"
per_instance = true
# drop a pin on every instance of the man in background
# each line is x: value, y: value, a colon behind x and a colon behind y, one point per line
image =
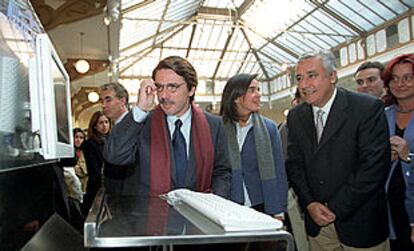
x: 368, y: 77
x: 114, y: 100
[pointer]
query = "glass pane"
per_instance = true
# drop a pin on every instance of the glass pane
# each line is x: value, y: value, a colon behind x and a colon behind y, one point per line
x: 343, y: 52
x: 381, y: 40
x: 352, y: 53
x: 371, y: 49
x: 403, y: 31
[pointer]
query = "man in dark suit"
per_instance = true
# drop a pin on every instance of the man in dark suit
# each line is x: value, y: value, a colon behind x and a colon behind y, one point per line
x: 173, y: 144
x: 338, y: 160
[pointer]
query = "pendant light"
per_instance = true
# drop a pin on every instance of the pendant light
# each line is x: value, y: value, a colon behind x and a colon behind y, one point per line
x: 93, y: 97
x: 82, y: 66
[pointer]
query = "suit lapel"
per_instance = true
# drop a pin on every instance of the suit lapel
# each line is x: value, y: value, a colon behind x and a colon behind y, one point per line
x: 336, y: 118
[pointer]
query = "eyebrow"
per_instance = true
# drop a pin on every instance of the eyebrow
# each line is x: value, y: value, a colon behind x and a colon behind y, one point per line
x: 311, y: 72
x: 166, y: 84
x: 107, y: 98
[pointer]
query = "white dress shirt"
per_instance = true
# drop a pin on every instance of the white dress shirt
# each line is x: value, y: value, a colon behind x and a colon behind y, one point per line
x: 326, y: 109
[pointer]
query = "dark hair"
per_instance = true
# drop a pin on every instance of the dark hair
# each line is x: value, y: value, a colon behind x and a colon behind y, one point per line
x: 118, y: 89
x: 389, y: 99
x: 235, y: 87
x: 180, y: 66
x: 297, y: 98
x: 76, y: 130
x: 93, y: 134
x: 370, y: 65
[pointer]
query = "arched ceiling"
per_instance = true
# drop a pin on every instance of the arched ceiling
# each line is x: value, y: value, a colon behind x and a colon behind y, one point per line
x: 125, y: 39
x: 222, y: 38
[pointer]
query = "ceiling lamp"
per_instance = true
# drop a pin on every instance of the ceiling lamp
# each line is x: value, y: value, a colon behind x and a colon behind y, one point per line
x: 93, y: 97
x: 82, y: 66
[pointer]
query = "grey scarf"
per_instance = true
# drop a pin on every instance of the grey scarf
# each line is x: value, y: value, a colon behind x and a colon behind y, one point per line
x: 263, y: 147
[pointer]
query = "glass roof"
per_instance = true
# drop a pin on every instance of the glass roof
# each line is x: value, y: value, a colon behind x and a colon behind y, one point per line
x: 225, y: 37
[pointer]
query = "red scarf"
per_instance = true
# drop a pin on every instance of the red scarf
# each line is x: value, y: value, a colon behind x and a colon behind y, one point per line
x: 160, y: 173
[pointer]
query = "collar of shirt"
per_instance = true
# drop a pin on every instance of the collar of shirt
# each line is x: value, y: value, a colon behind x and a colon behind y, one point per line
x: 242, y: 131
x: 185, y: 128
x: 326, y: 108
x: 121, y: 117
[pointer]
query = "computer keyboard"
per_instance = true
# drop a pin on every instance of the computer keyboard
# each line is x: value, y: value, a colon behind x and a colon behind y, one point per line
x: 227, y: 214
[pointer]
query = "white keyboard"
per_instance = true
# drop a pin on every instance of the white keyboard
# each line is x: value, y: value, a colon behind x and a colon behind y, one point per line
x: 227, y: 214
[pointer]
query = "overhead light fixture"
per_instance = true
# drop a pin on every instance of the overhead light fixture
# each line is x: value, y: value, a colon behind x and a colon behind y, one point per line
x: 82, y: 66
x: 93, y: 97
x: 107, y: 21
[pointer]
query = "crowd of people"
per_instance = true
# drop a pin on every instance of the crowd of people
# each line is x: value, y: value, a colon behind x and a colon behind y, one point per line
x: 339, y: 172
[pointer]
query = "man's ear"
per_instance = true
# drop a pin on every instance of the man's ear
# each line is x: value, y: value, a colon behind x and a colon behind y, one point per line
x: 333, y: 77
x: 192, y: 91
x: 123, y: 100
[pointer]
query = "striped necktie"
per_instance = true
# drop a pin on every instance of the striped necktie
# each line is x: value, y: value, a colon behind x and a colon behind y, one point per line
x: 319, y: 124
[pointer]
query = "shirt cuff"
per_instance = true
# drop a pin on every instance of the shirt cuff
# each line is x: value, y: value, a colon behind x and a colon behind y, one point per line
x: 138, y: 114
x: 282, y: 214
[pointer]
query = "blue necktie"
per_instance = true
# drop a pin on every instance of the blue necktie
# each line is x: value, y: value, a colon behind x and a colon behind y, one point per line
x: 180, y: 153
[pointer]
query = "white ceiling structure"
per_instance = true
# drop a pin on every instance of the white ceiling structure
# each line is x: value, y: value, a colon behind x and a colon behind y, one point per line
x: 224, y: 37
x: 219, y: 37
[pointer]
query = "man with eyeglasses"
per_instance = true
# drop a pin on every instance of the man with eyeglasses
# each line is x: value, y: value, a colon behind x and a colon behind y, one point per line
x: 173, y: 143
x: 368, y: 79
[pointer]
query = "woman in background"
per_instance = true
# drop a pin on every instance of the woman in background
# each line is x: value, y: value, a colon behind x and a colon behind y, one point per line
x: 99, y: 127
x: 73, y: 182
x: 81, y: 171
x: 399, y: 81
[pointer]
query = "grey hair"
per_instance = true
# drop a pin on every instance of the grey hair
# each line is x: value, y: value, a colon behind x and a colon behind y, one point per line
x: 328, y: 59
x: 118, y: 89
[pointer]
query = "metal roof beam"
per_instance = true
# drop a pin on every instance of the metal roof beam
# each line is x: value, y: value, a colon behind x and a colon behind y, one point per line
x: 356, y: 13
x: 406, y: 5
x: 136, y: 6
x: 221, y: 12
x: 190, y: 42
x: 390, y: 9
x: 201, y: 49
x: 244, y: 60
x: 254, y: 53
x: 164, y: 13
x: 245, y: 6
x: 337, y: 17
x: 223, y: 52
x: 320, y: 33
x: 151, y: 47
x: 185, y: 23
x: 283, y: 48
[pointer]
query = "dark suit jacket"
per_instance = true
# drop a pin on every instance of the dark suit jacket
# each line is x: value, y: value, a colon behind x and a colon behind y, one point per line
x: 347, y: 170
x: 92, y: 152
x: 129, y: 142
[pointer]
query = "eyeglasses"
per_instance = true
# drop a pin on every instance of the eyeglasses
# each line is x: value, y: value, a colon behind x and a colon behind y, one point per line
x: 172, y: 87
x: 405, y: 79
